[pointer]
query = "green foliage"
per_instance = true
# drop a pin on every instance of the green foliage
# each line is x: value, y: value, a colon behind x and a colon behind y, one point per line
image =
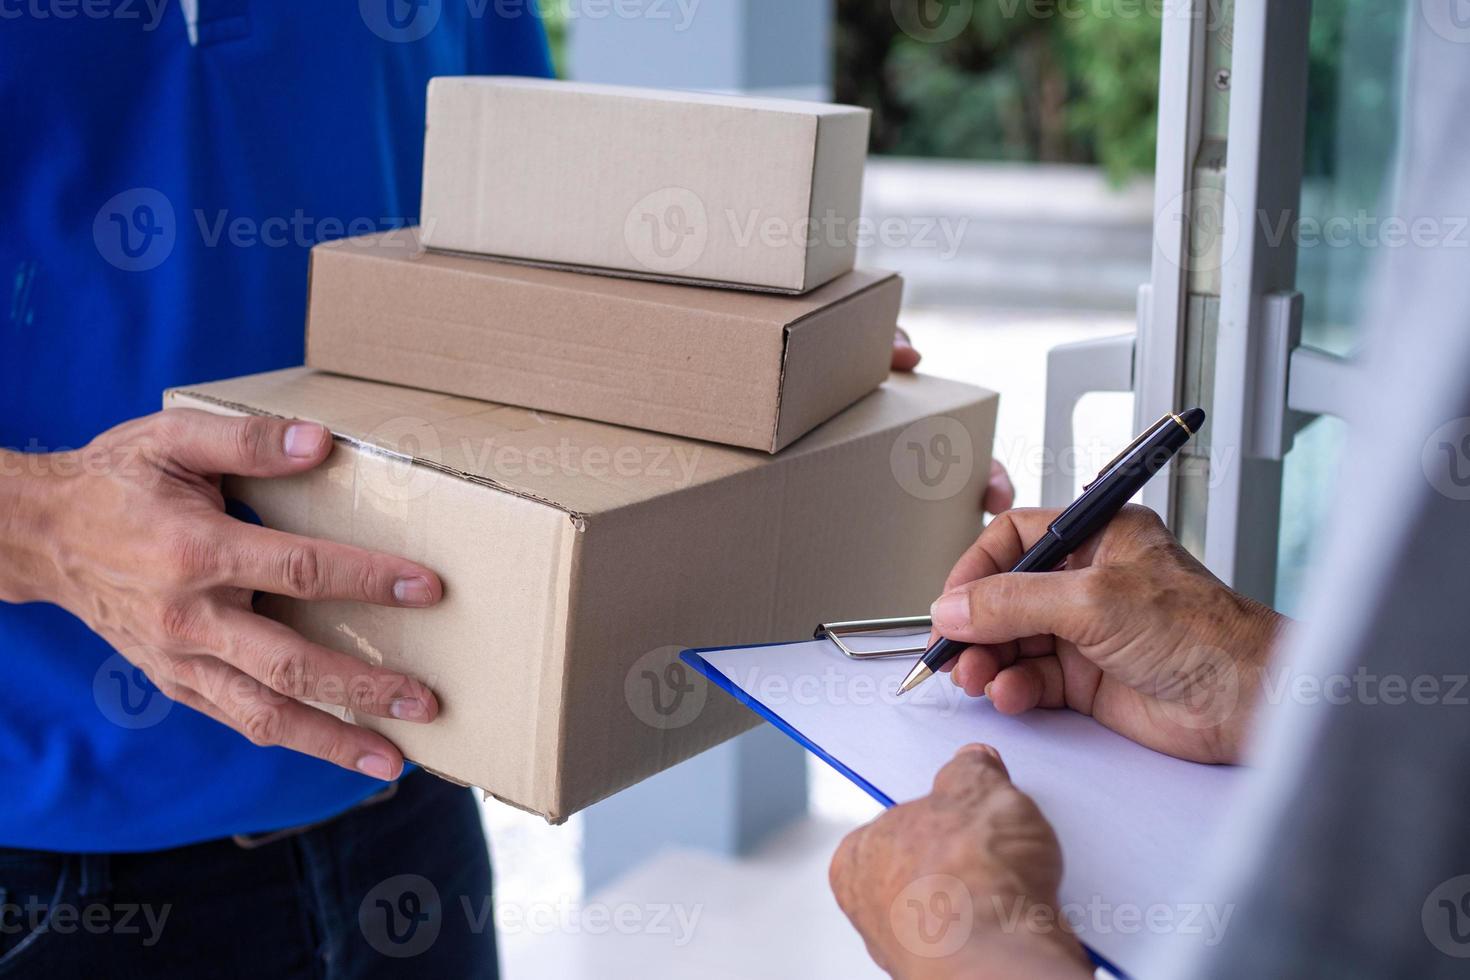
x: 1076, y: 81
x: 951, y: 112
x: 553, y: 17
x: 1114, y: 64
x: 1025, y: 80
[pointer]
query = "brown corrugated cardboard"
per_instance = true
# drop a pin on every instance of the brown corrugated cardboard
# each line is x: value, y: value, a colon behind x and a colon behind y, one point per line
x: 756, y: 193
x: 579, y: 558
x: 745, y: 369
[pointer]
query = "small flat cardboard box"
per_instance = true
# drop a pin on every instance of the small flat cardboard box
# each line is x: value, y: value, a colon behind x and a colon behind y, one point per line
x: 580, y: 558
x: 745, y: 369
x: 747, y: 192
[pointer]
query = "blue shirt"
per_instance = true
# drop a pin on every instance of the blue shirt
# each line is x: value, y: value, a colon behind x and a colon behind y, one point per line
x: 159, y: 200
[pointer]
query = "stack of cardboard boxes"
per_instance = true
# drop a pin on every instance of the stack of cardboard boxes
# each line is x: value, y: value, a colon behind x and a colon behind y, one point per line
x: 648, y: 422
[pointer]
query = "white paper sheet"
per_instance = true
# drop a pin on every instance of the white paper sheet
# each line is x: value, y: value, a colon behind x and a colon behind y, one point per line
x: 1135, y: 825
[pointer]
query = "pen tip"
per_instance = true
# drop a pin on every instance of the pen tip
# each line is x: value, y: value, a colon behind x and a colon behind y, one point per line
x: 1193, y: 420
x: 917, y: 676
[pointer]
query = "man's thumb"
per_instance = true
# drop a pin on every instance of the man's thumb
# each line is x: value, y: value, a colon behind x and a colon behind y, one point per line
x: 253, y: 446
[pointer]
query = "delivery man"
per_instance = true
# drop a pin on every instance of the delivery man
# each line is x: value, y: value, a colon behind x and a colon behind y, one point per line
x: 172, y: 808
x: 167, y: 167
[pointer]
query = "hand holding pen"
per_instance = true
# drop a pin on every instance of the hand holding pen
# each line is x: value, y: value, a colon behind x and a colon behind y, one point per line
x: 1134, y: 632
x: 1100, y: 502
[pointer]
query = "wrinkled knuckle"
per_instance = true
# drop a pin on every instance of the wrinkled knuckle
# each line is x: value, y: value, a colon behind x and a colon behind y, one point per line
x: 252, y: 438
x: 358, y: 692
x: 369, y: 581
x: 183, y: 673
x: 262, y: 724
x: 301, y: 569
x: 167, y: 428
x: 341, y: 751
x: 182, y: 622
x: 189, y: 555
x: 992, y: 599
x: 976, y: 598
x: 287, y: 672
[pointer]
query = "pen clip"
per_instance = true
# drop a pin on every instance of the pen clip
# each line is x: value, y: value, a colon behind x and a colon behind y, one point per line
x: 1143, y: 437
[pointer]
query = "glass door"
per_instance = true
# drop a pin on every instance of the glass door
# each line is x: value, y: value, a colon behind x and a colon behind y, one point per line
x: 1277, y: 127
x: 1357, y: 54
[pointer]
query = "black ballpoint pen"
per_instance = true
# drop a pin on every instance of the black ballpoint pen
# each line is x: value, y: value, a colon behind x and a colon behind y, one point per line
x: 1100, y: 502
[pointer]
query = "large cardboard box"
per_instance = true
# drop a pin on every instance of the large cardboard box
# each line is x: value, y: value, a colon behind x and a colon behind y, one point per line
x: 757, y: 193
x: 580, y: 558
x: 745, y: 369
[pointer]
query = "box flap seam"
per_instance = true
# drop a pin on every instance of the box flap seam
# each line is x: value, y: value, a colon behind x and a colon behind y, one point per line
x: 578, y: 518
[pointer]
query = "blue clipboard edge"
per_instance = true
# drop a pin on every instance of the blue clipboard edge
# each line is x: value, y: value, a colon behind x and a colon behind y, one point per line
x: 710, y: 671
x: 695, y: 659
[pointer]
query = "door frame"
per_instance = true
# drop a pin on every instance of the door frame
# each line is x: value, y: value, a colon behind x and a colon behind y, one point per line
x: 1219, y: 319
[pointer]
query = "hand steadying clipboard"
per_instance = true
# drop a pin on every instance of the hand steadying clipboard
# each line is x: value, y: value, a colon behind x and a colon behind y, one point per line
x: 1134, y: 824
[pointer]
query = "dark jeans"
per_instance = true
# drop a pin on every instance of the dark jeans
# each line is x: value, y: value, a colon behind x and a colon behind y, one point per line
x: 394, y: 888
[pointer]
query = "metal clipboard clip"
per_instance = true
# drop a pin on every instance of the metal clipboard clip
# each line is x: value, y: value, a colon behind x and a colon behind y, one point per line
x: 897, y: 626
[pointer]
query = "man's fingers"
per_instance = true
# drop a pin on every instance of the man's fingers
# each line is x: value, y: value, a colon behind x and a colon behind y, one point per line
x: 978, y: 665
x: 307, y: 568
x: 268, y: 719
x: 974, y: 767
x: 1000, y: 545
x: 1001, y: 608
x: 1000, y: 492
x: 985, y: 756
x: 905, y: 357
x: 1037, y: 682
x: 209, y: 444
x: 292, y: 666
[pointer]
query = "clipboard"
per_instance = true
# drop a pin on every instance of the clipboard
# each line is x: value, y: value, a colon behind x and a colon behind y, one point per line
x: 1131, y: 821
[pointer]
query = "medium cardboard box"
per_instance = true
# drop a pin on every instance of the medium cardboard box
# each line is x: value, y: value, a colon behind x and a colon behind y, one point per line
x: 580, y: 558
x: 745, y: 369
x: 748, y: 192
